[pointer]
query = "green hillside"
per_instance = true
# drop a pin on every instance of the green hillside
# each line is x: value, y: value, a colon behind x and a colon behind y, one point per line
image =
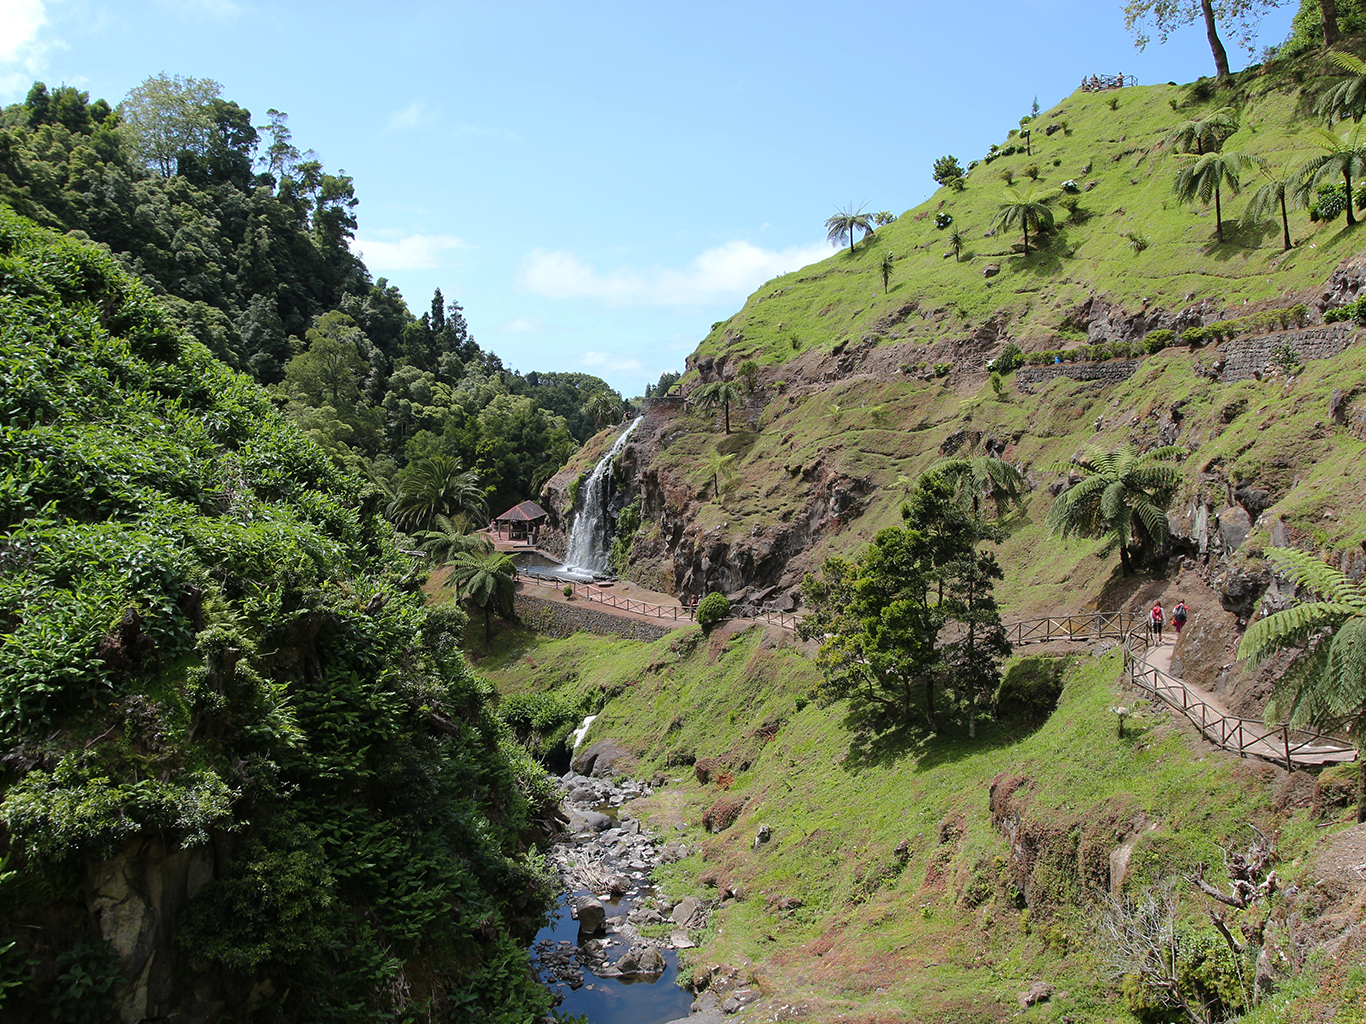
x: 246, y: 774
x: 1109, y: 143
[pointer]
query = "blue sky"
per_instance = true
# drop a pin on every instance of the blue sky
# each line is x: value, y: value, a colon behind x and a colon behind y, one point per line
x: 596, y: 183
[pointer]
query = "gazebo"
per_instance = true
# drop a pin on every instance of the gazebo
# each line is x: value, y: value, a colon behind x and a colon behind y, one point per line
x: 521, y: 521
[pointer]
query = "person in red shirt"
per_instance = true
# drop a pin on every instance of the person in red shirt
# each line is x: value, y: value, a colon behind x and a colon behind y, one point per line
x: 1156, y: 616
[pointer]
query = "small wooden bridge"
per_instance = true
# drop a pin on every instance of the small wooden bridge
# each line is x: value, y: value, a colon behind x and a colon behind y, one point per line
x: 1081, y: 628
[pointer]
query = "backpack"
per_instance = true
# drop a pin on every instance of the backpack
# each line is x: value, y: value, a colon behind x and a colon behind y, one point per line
x: 1180, y: 614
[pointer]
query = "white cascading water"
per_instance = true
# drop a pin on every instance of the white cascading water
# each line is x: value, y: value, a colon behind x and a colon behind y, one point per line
x: 587, y: 546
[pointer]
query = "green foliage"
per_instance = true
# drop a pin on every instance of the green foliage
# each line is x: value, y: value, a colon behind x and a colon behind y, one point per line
x: 1264, y: 322
x: 711, y: 610
x: 1355, y: 311
x: 1010, y: 360
x: 541, y: 722
x: 840, y: 226
x: 206, y: 628
x: 628, y: 522
x: 946, y: 169
x: 84, y: 989
x: 1156, y: 341
x: 1137, y: 241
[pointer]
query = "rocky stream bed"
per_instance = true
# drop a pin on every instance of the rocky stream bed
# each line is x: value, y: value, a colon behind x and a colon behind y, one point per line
x: 610, y: 951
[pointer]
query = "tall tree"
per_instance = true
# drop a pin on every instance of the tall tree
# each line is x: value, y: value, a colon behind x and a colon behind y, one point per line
x: 1122, y: 494
x: 165, y: 115
x: 720, y: 392
x: 1328, y: 9
x: 1024, y: 209
x: 1166, y: 16
x: 840, y: 227
x: 1325, y: 686
x: 1206, y: 176
x: 1343, y: 156
x: 882, y: 621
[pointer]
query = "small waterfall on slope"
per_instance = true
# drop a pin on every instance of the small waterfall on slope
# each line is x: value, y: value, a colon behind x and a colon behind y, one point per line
x: 588, y: 542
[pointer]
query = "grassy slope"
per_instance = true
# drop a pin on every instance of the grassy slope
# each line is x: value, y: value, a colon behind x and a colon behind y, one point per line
x: 842, y: 297
x: 944, y: 936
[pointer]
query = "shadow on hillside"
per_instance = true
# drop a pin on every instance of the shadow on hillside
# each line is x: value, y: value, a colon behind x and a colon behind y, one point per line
x: 1136, y: 592
x: 870, y: 749
x: 1240, y: 237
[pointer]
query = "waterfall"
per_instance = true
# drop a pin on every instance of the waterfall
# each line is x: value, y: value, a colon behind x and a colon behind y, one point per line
x: 588, y: 541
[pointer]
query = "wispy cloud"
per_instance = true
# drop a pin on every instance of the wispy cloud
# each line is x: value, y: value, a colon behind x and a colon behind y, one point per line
x: 205, y: 10
x: 415, y: 115
x: 522, y: 325
x: 21, y: 48
x: 610, y: 363
x: 406, y: 252
x: 727, y: 272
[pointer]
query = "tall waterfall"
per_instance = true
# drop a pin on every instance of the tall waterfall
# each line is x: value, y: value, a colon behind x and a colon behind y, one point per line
x: 588, y: 545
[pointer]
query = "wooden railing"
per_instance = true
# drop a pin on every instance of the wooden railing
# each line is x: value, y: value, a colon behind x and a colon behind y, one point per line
x: 591, y: 592
x: 1279, y: 744
x: 1099, y: 83
x: 1082, y: 627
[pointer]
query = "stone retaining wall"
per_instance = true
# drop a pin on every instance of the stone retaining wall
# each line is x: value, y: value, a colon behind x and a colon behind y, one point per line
x: 1243, y: 358
x: 562, y: 619
x: 1112, y: 372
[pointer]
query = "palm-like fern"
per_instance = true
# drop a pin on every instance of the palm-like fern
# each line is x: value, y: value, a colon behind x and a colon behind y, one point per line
x: 450, y: 537
x: 840, y: 227
x: 1122, y: 494
x: 1204, y: 178
x: 437, y: 485
x: 886, y: 267
x: 1024, y: 209
x: 485, y: 581
x: 724, y: 393
x: 1202, y: 134
x: 977, y: 476
x: 1269, y: 199
x: 1343, y: 156
x: 1325, y: 686
x: 1347, y: 99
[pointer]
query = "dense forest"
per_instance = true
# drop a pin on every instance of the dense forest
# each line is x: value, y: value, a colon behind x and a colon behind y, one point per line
x: 245, y: 241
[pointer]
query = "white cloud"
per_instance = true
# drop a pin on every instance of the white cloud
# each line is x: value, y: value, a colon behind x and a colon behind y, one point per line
x: 727, y: 272
x: 406, y: 252
x: 21, y: 51
x: 208, y: 10
x: 522, y: 325
x: 415, y: 115
x: 612, y: 364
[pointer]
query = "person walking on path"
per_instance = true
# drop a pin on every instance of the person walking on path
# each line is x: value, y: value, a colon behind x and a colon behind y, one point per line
x: 1179, y: 617
x: 1156, y: 616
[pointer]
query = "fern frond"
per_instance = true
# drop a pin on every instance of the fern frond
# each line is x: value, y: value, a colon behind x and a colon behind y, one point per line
x: 1305, y: 570
x: 1288, y: 628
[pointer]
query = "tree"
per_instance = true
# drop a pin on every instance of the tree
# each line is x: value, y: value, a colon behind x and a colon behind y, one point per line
x: 946, y: 168
x: 1166, y: 16
x: 437, y: 485
x: 1202, y: 133
x: 977, y: 476
x: 975, y: 653
x: 1328, y: 11
x: 1024, y: 209
x: 555, y: 457
x: 1343, y: 156
x: 450, y: 538
x: 487, y: 581
x: 886, y: 267
x: 718, y: 467
x: 749, y: 373
x: 1122, y: 494
x: 1325, y: 686
x: 1347, y: 99
x: 883, y: 217
x: 881, y: 620
x: 334, y: 366
x: 1265, y: 201
x: 1206, y: 176
x: 842, y: 225
x: 165, y: 115
x: 601, y: 408
x: 720, y: 392
x: 956, y: 241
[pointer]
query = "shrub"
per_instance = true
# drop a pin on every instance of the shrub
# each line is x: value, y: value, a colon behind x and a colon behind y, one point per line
x: 942, y: 369
x: 1008, y: 176
x: 1156, y: 341
x: 1032, y: 172
x: 569, y: 591
x: 1352, y: 311
x: 946, y: 168
x: 956, y: 184
x: 1137, y: 241
x: 943, y: 220
x: 711, y: 610
x: 1010, y: 359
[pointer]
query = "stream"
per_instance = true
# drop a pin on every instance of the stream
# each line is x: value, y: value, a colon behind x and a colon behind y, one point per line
x: 593, y: 955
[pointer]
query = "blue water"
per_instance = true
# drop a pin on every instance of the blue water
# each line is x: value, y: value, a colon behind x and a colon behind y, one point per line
x: 616, y: 1000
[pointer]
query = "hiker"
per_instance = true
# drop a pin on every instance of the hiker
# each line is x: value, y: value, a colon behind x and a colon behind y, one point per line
x: 1179, y: 617
x: 1155, y: 616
